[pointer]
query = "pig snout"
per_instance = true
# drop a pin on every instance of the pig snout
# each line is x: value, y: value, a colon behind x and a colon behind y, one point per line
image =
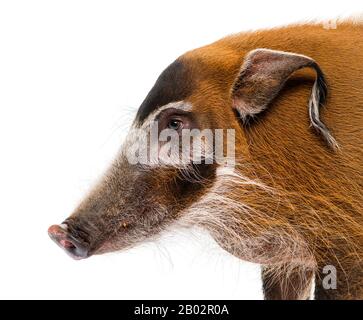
x: 74, y: 247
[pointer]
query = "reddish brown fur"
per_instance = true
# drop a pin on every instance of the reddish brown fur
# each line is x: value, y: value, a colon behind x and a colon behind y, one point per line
x: 323, y: 188
x: 292, y: 204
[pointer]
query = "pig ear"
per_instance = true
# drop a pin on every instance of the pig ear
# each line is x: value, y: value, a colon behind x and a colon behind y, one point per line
x: 264, y: 73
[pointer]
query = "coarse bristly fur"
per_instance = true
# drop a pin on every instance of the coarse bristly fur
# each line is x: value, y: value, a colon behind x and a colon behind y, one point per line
x: 293, y: 202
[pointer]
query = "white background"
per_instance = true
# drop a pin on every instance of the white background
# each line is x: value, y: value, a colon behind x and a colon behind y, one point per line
x: 72, y: 74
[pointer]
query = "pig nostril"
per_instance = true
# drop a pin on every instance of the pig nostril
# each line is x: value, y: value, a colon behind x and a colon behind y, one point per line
x: 67, y: 244
x: 75, y: 248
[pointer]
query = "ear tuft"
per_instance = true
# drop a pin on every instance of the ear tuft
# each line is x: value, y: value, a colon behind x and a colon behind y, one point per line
x: 317, y: 100
x: 263, y: 74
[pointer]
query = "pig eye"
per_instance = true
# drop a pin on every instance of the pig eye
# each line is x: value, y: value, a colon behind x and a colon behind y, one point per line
x: 175, y: 124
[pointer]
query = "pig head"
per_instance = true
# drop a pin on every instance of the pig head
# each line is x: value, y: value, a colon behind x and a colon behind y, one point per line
x: 211, y: 88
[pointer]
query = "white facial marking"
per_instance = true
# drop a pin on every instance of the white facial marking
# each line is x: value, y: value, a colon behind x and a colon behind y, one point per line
x: 137, y: 139
x: 150, y: 145
x: 179, y: 105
